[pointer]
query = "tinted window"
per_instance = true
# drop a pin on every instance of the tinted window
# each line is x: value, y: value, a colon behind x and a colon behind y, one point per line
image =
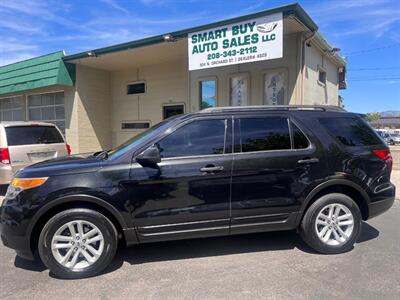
x: 135, y: 125
x: 351, y: 131
x: 28, y: 135
x: 136, y: 88
x: 260, y: 134
x: 299, y: 139
x: 204, y: 137
x: 172, y: 110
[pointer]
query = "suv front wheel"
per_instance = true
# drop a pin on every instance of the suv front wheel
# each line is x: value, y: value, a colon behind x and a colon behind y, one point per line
x: 331, y: 224
x: 77, y: 243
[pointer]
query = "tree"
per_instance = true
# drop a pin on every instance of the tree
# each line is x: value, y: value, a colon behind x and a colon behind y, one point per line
x: 374, y: 116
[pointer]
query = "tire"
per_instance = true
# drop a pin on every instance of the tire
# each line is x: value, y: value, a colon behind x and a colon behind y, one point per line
x: 341, y: 237
x: 87, y: 236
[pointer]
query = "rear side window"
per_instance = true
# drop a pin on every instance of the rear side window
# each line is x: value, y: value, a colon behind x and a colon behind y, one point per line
x: 203, y: 137
x: 29, y: 135
x: 261, y: 134
x: 299, y: 139
x: 351, y: 131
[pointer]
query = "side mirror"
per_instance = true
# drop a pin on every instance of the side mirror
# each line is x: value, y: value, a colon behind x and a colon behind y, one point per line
x: 149, y: 157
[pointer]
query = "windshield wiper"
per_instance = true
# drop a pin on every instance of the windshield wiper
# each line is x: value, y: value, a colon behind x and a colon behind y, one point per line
x: 101, y: 154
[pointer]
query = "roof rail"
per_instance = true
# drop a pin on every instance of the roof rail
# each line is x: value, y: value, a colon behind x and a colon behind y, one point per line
x: 273, y: 108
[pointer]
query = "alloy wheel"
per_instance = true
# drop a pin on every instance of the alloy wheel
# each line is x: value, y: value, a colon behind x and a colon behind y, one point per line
x: 334, y: 224
x: 77, y: 245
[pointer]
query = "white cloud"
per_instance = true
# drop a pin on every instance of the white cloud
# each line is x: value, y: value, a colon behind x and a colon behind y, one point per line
x: 372, y: 17
x: 115, y: 5
x: 15, y: 57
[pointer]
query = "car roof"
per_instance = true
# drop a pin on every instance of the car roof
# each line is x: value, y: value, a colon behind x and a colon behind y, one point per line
x: 231, y: 109
x: 23, y: 123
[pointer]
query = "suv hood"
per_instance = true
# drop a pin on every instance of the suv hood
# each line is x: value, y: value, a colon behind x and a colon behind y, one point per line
x: 80, y: 163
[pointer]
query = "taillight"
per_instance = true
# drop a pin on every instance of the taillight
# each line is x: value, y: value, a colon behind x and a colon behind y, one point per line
x: 4, y: 156
x: 68, y: 149
x: 385, y: 155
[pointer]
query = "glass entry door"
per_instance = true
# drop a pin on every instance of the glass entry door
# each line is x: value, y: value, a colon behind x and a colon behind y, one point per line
x: 275, y: 87
x: 239, y: 90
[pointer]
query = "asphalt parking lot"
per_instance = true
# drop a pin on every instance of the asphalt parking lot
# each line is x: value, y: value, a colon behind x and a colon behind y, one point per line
x: 268, y: 265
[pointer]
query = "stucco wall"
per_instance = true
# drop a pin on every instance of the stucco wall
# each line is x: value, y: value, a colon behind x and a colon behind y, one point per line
x: 92, y: 107
x: 314, y: 91
x: 165, y: 84
x: 255, y: 70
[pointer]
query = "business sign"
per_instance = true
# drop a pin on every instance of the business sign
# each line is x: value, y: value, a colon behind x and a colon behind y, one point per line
x: 247, y: 41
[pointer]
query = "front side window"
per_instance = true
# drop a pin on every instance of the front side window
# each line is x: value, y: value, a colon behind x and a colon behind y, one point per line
x: 202, y: 137
x: 208, y: 94
x: 262, y: 134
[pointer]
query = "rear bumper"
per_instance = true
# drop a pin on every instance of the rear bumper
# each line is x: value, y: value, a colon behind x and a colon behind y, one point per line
x: 379, y: 207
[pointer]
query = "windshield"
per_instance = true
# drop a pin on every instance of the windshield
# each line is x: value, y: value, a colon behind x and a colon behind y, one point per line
x: 140, y: 138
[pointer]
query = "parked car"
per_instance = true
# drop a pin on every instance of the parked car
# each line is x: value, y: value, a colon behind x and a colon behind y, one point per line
x: 220, y: 171
x: 26, y: 143
x: 393, y: 139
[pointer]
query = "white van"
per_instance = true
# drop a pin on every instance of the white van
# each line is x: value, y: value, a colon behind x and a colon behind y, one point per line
x: 26, y: 143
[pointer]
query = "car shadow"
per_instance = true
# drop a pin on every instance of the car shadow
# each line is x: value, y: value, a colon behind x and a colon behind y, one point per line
x: 206, y: 247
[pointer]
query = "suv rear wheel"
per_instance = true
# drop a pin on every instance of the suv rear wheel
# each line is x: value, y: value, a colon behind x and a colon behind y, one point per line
x: 331, y: 224
x: 77, y: 243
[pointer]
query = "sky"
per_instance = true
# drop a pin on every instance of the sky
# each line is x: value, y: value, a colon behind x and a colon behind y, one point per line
x: 366, y: 31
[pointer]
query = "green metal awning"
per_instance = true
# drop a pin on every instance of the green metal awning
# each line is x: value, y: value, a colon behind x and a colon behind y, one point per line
x: 38, y: 72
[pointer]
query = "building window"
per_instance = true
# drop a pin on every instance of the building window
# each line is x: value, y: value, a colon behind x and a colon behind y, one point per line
x: 321, y: 76
x: 136, y: 88
x: 208, y: 93
x: 135, y: 125
x: 239, y: 90
x: 275, y: 87
x: 47, y: 108
x: 172, y: 110
x: 11, y: 109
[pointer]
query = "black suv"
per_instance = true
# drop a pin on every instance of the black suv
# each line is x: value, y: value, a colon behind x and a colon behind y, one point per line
x: 220, y: 171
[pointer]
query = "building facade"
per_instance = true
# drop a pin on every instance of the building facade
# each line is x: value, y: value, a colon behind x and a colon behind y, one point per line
x: 102, y: 97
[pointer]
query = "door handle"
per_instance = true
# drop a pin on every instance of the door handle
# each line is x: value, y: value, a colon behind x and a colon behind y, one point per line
x: 212, y: 169
x: 308, y: 161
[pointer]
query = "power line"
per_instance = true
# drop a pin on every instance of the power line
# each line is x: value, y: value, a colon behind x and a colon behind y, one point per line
x: 374, y: 69
x: 376, y: 78
x: 371, y: 50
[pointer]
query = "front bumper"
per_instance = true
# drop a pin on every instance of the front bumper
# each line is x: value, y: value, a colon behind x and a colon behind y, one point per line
x: 21, y: 244
x: 13, y: 229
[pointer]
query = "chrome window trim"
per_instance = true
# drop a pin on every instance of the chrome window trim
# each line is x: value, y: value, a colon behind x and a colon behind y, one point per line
x: 182, y: 224
x: 184, y: 231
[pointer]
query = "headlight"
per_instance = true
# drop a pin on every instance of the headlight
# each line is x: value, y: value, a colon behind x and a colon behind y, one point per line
x: 20, y: 184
